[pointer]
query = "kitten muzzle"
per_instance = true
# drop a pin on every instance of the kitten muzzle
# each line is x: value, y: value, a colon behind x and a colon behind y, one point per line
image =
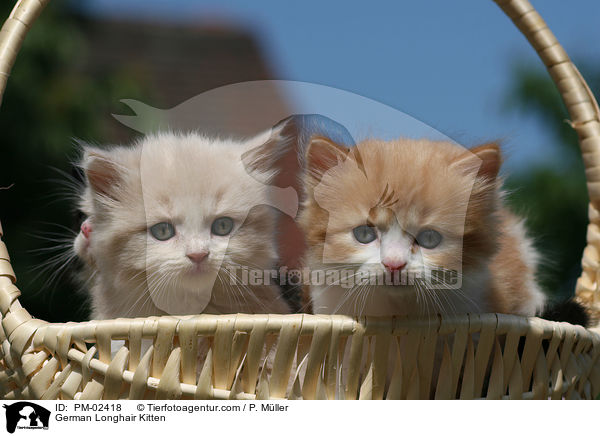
x: 198, y: 257
x: 394, y: 265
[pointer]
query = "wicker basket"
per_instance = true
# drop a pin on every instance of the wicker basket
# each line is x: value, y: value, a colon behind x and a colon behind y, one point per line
x: 315, y: 357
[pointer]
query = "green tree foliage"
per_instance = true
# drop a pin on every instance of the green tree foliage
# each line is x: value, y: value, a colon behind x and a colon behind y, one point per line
x: 552, y: 196
x: 49, y: 100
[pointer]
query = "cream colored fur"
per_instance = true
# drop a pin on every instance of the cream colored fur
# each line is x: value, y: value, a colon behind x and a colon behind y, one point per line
x: 188, y: 180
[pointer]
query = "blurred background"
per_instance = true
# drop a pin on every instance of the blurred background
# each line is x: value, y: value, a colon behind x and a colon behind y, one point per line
x: 463, y: 69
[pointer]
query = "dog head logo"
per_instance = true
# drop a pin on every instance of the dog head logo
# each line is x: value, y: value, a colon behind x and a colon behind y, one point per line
x: 26, y: 415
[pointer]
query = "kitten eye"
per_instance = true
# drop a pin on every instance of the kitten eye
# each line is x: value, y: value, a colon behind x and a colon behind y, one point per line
x: 222, y: 226
x: 364, y: 234
x: 428, y: 238
x: 162, y: 231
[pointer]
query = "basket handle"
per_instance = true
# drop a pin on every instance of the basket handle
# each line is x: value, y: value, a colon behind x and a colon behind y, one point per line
x: 585, y: 119
x: 580, y: 102
x: 13, y: 33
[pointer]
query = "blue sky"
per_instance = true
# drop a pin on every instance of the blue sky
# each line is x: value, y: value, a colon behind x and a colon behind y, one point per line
x: 447, y: 64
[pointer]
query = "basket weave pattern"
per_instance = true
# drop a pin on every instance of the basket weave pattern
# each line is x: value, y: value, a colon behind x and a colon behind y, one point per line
x: 309, y: 356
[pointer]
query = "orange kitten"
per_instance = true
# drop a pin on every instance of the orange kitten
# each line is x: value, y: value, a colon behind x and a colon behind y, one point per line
x: 413, y: 227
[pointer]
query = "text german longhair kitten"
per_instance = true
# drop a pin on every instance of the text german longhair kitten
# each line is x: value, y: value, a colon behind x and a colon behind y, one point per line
x: 409, y: 208
x: 166, y: 219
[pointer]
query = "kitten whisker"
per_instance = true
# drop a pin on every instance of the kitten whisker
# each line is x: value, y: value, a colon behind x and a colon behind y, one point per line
x: 248, y: 291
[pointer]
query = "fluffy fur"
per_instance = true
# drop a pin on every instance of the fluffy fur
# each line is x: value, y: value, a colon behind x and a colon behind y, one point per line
x: 187, y: 180
x: 400, y: 188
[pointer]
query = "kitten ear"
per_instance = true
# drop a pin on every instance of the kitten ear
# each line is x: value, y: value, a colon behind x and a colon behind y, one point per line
x: 266, y: 157
x: 491, y: 159
x: 323, y: 154
x: 101, y: 171
x: 486, y: 159
x: 289, y: 138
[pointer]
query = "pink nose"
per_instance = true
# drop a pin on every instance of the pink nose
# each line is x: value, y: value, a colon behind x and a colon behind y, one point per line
x: 197, y: 257
x: 86, y: 228
x: 394, y: 265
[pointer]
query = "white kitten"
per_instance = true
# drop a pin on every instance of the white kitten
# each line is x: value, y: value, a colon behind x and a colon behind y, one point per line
x: 168, y: 219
